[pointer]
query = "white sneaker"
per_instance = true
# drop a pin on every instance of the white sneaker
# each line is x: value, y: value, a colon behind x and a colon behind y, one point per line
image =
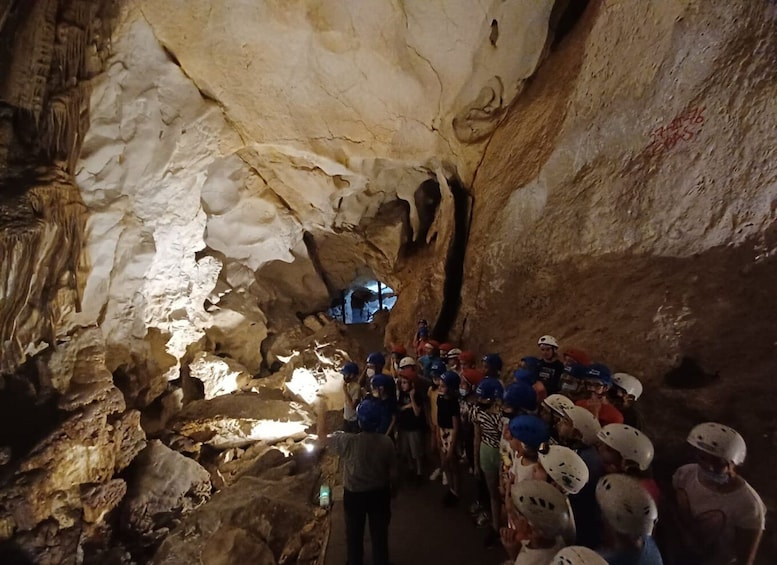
x: 445, y: 479
x: 435, y: 474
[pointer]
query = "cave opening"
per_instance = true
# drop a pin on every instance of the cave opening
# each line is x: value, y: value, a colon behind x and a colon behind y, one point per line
x: 564, y: 17
x: 361, y: 301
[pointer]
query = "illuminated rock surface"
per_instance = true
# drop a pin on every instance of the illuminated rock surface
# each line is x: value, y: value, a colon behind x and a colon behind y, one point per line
x: 178, y: 210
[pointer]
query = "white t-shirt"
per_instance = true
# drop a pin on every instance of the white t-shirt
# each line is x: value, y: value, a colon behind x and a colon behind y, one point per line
x: 718, y: 514
x: 528, y: 556
x: 353, y: 391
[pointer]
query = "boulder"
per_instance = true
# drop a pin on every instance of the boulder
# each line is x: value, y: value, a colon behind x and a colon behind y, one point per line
x: 164, y: 486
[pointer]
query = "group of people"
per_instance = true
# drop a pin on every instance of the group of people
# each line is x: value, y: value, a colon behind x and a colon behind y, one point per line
x: 562, y: 466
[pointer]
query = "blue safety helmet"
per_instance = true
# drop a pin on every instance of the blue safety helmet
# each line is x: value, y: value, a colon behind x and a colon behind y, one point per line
x: 520, y: 396
x: 437, y: 368
x: 598, y: 372
x: 531, y: 363
x: 381, y: 380
x: 350, y: 369
x: 369, y: 414
x: 376, y: 359
x: 531, y: 430
x: 576, y: 371
x: 451, y: 379
x: 493, y: 360
x: 490, y: 388
x: 525, y: 376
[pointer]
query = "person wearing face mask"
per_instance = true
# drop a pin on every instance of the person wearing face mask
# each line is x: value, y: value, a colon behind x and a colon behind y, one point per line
x: 626, y: 390
x: 410, y: 425
x: 721, y: 516
x: 351, y: 397
x: 572, y: 382
x: 375, y: 363
x: 488, y: 433
x: 467, y: 404
x: 382, y: 390
x: 550, y: 366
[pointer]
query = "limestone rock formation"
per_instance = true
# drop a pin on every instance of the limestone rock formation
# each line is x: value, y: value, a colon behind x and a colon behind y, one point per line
x: 218, y: 375
x: 255, y: 520
x: 164, y: 486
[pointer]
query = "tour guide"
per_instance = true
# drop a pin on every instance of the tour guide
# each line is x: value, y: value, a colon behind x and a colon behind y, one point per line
x: 369, y: 472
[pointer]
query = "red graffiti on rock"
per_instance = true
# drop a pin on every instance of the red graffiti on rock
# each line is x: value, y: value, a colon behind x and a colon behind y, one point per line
x: 684, y: 128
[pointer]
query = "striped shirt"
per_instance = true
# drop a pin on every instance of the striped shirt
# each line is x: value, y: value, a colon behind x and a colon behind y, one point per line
x: 490, y: 427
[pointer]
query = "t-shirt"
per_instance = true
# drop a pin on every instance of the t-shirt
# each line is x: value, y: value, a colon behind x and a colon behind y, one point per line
x: 608, y: 414
x: 490, y: 426
x: 586, y: 510
x: 718, y: 514
x: 467, y: 408
x: 353, y: 391
x: 549, y: 373
x: 632, y: 417
x: 389, y: 406
x: 406, y: 418
x: 447, y: 409
x: 528, y: 556
x: 369, y: 460
x: 647, y: 555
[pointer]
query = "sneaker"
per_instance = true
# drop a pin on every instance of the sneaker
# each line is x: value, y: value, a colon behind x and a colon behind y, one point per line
x: 450, y: 499
x: 435, y: 474
x: 475, y: 508
x: 444, y: 479
x: 483, y: 519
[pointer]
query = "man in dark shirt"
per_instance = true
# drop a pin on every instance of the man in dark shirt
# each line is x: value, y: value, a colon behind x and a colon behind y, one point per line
x: 369, y: 472
x: 550, y: 366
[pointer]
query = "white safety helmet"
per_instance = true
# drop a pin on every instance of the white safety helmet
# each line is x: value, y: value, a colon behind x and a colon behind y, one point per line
x: 542, y: 505
x: 558, y: 403
x: 628, y: 383
x: 454, y: 353
x: 584, y: 422
x: 406, y: 362
x: 577, y: 555
x: 548, y: 340
x: 565, y: 467
x: 627, y: 507
x: 631, y: 443
x: 720, y: 441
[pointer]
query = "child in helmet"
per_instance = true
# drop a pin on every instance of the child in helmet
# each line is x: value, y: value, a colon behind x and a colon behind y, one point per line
x: 449, y: 424
x: 351, y: 397
x: 375, y: 363
x: 431, y: 355
x: 436, y: 371
x: 626, y: 390
x: 532, y: 379
x: 572, y: 382
x: 397, y: 353
x: 452, y: 360
x: 578, y: 430
x: 597, y: 380
x: 488, y: 432
x: 383, y: 390
x: 542, y: 513
x: 467, y: 404
x: 722, y: 517
x: 550, y: 367
x: 421, y: 335
x: 552, y: 409
x: 630, y: 514
x: 626, y: 450
x: 566, y: 471
x: 492, y: 365
x: 410, y: 425
x: 526, y: 433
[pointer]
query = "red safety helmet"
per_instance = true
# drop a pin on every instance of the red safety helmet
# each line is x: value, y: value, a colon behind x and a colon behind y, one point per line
x: 473, y: 376
x: 399, y: 350
x: 580, y: 356
x: 446, y: 347
x: 466, y: 357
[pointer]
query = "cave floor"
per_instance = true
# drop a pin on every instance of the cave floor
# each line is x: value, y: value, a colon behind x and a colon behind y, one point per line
x: 422, y: 530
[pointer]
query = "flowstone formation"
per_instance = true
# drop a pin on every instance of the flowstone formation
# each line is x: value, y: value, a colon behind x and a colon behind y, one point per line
x: 185, y: 185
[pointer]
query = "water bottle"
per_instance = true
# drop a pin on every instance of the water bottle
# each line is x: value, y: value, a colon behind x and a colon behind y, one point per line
x: 324, y: 496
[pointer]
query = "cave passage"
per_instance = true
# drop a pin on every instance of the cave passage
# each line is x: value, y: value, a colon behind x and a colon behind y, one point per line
x: 359, y: 303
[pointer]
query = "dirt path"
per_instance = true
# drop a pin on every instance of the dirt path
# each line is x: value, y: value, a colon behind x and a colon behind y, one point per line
x: 422, y: 531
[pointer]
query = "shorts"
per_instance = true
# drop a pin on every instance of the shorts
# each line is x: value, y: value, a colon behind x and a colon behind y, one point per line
x: 446, y: 437
x: 411, y: 443
x: 490, y: 462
